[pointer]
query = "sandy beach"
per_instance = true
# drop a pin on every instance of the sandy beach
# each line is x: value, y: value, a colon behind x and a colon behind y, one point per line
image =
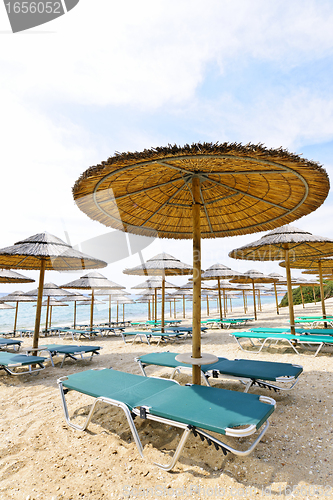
x: 42, y: 458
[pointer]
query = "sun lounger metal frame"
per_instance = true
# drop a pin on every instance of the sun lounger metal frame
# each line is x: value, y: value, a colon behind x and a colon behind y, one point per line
x: 216, y: 371
x: 15, y: 361
x: 146, y: 412
x: 293, y: 340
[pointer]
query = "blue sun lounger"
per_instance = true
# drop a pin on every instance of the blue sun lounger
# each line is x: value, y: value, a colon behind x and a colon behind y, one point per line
x: 15, y: 344
x: 11, y: 362
x: 250, y: 372
x: 196, y: 409
x: 74, y: 352
x: 266, y: 339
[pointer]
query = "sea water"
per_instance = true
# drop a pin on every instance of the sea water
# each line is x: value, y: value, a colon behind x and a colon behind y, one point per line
x: 64, y: 315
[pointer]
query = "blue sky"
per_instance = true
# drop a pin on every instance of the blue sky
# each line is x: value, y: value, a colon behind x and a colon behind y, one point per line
x: 124, y: 76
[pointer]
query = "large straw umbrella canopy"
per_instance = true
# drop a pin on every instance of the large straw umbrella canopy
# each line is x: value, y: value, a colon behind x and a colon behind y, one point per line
x: 201, y: 191
x: 161, y: 265
x: 217, y: 272
x: 92, y: 281
x: 42, y: 252
x: 253, y: 276
x: 318, y: 263
x: 285, y: 243
x: 17, y: 297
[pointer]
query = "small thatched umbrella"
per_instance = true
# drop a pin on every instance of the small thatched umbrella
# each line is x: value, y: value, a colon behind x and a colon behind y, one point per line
x: 8, y: 276
x: 49, y: 290
x: 217, y: 272
x: 285, y: 243
x: 318, y: 263
x: 110, y: 293
x: 201, y: 191
x: 280, y: 279
x: 42, y: 252
x: 154, y: 284
x: 253, y: 276
x: 50, y: 303
x: 161, y: 265
x: 17, y: 297
x: 6, y: 306
x: 75, y: 297
x: 92, y: 281
x: 122, y: 300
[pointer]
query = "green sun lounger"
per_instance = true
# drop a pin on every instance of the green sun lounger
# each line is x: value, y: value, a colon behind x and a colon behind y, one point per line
x: 196, y: 409
x: 299, y: 331
x: 148, y: 336
x: 11, y: 362
x: 76, y: 334
x: 313, y: 322
x: 267, y: 338
x: 249, y: 372
x: 15, y: 344
x: 74, y: 352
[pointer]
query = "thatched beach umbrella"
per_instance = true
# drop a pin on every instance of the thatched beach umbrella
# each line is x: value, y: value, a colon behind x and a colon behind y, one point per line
x: 110, y: 293
x: 49, y: 290
x: 318, y: 263
x: 6, y: 306
x: 17, y: 297
x: 75, y: 298
x: 253, y: 276
x: 280, y: 279
x: 285, y: 243
x: 217, y: 272
x: 50, y: 303
x: 201, y: 191
x: 8, y: 276
x: 92, y: 281
x: 152, y: 285
x: 43, y: 252
x: 161, y: 265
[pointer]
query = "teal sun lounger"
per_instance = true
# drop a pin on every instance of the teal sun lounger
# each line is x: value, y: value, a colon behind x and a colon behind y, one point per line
x: 73, y: 352
x: 267, y: 338
x: 277, y: 376
x: 148, y: 336
x: 196, y: 409
x: 20, y: 364
x: 6, y: 343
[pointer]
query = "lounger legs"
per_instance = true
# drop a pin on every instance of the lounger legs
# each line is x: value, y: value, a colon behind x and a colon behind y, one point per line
x: 92, y: 410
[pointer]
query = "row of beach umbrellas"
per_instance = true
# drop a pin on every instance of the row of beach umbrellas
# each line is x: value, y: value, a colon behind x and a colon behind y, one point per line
x: 197, y: 191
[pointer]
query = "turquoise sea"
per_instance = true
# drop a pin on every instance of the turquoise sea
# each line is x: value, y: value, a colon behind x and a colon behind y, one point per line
x: 65, y: 315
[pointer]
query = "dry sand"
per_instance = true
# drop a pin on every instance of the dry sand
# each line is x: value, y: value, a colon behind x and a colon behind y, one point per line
x: 41, y: 457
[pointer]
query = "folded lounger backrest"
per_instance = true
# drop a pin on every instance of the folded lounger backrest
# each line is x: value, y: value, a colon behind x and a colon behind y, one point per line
x: 191, y: 408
